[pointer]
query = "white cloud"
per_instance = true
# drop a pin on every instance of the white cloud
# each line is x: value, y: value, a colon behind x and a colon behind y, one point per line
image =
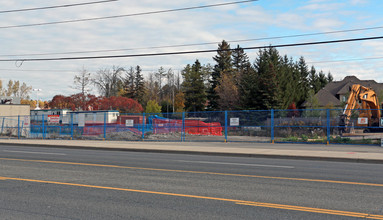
x: 247, y: 21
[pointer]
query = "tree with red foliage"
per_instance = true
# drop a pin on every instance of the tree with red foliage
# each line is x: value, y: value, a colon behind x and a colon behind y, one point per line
x: 122, y: 104
x: 61, y: 102
x: 84, y: 102
x: 292, y: 110
x: 91, y: 102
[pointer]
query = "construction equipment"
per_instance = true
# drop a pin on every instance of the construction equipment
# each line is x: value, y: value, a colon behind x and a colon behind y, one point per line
x: 366, y: 102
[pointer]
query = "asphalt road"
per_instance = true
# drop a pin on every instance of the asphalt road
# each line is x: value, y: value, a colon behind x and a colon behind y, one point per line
x: 53, y: 183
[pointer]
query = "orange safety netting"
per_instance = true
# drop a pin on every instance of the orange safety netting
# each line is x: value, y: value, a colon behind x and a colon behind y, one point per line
x: 161, y: 126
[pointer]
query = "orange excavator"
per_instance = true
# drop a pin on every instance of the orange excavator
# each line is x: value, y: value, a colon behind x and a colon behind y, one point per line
x: 366, y: 101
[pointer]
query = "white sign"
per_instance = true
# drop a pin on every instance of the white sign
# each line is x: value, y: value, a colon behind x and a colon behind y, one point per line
x: 27, y: 121
x: 53, y: 119
x: 363, y: 121
x: 234, y: 121
x: 381, y: 122
x: 129, y: 123
x: 81, y: 120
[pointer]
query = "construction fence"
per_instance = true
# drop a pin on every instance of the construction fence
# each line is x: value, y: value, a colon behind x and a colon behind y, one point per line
x: 320, y: 126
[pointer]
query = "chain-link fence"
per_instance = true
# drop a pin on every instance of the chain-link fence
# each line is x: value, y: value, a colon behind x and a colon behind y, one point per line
x: 276, y: 126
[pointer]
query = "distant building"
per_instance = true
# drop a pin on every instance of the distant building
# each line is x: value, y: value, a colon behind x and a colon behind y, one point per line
x: 66, y: 116
x: 335, y: 93
x: 10, y: 100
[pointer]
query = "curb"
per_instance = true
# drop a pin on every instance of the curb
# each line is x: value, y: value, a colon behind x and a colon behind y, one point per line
x: 255, y: 155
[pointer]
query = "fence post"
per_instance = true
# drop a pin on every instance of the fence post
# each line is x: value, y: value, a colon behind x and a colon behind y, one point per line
x: 71, y: 126
x: 272, y: 126
x: 2, y: 126
x: 143, y: 126
x: 183, y: 127
x: 328, y: 126
x: 18, y: 127
x: 225, y: 126
x: 43, y: 126
x: 104, y: 126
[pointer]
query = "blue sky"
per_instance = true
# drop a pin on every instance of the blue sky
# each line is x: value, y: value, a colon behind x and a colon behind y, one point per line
x: 263, y: 18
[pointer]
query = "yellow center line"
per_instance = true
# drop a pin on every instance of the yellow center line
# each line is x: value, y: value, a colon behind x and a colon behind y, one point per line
x: 236, y: 201
x: 198, y: 172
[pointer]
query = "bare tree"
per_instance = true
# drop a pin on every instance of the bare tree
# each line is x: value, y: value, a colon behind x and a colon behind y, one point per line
x: 10, y: 88
x: 108, y: 82
x: 159, y: 76
x: 82, y: 81
x: 25, y: 90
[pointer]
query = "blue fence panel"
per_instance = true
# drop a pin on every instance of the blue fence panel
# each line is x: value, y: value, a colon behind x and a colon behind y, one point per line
x: 249, y: 126
x: 324, y: 126
x: 300, y: 126
x: 204, y: 126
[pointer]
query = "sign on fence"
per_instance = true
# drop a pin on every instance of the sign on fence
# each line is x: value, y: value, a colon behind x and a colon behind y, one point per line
x: 27, y: 121
x: 53, y: 119
x: 234, y: 121
x: 363, y: 121
x: 129, y: 123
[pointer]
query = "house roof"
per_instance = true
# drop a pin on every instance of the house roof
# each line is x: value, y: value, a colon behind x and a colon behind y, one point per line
x: 325, y: 97
x: 332, y: 90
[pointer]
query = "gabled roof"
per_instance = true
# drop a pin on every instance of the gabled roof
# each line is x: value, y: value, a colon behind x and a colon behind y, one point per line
x: 325, y: 97
x: 333, y: 89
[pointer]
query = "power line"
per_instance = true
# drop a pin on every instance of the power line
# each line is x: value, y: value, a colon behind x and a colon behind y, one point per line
x: 190, y: 52
x: 196, y: 44
x: 347, y: 60
x: 148, y: 70
x: 127, y: 15
x: 56, y: 6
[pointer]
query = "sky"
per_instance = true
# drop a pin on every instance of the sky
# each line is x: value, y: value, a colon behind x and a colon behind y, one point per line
x: 141, y: 34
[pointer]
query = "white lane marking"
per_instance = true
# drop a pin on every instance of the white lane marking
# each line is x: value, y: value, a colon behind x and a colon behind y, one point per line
x: 237, y: 164
x: 31, y: 152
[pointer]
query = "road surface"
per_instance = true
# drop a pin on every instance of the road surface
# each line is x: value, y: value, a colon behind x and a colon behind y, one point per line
x: 53, y: 183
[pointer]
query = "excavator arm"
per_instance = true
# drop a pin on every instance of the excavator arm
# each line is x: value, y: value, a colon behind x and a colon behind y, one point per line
x: 369, y: 106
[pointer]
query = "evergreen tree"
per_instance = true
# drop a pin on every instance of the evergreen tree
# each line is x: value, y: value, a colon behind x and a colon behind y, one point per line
x: 193, y: 87
x: 266, y: 67
x: 303, y: 81
x: 322, y: 79
x: 248, y: 89
x: 223, y: 65
x: 129, y: 83
x: 330, y: 78
x: 287, y: 83
x: 241, y: 63
x: 139, y: 85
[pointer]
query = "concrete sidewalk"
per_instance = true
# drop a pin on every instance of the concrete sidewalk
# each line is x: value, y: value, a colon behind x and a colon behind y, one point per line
x: 345, y: 153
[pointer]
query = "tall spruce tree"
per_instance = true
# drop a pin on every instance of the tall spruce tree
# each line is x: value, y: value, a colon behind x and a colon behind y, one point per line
x: 193, y: 87
x: 223, y: 64
x: 139, y: 85
x: 241, y: 64
x: 267, y: 67
x: 303, y: 81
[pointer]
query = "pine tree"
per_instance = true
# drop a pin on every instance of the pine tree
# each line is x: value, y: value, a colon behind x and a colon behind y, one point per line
x: 129, y: 84
x: 193, y: 87
x: 248, y: 89
x: 223, y: 65
x: 266, y: 67
x: 303, y: 81
x: 139, y: 85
